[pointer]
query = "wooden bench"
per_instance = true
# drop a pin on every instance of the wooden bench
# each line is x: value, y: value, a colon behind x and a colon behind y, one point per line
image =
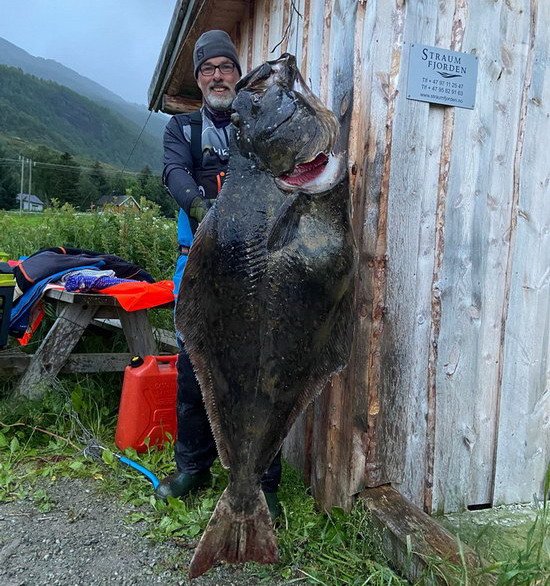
x: 75, y: 312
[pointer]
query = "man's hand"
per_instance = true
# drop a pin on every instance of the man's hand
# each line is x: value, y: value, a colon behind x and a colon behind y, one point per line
x: 199, y: 208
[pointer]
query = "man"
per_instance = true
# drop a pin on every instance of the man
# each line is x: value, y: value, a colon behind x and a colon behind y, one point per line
x: 196, y: 153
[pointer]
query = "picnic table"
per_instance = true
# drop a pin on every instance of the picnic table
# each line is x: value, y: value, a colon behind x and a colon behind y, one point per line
x: 75, y: 313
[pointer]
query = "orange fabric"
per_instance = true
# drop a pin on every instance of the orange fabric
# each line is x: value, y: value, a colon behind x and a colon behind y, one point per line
x: 37, y: 315
x: 142, y: 295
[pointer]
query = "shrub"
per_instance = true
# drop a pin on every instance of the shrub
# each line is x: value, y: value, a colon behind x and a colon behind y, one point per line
x: 142, y: 237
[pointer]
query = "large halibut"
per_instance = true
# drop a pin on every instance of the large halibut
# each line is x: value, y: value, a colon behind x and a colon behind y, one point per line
x: 265, y: 304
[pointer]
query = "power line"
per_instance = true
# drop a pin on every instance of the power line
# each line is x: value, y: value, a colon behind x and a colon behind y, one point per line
x: 71, y: 167
x: 136, y: 141
x: 62, y: 167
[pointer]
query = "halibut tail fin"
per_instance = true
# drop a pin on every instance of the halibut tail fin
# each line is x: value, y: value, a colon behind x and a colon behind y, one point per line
x: 236, y: 537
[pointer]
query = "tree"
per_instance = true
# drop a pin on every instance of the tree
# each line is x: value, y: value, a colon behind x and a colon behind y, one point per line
x: 97, y: 177
x: 8, y: 184
x: 150, y: 187
x: 68, y: 180
x: 89, y: 192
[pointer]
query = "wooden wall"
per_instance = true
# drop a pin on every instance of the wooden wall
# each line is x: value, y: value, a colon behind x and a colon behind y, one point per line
x: 447, y: 391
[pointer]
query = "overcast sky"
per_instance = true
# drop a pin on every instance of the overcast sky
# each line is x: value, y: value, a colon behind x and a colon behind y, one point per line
x: 113, y: 42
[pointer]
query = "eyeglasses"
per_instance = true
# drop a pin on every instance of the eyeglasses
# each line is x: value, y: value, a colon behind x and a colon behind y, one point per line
x: 208, y: 69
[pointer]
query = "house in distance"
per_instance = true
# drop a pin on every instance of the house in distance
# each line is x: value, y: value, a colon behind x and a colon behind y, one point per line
x: 29, y: 203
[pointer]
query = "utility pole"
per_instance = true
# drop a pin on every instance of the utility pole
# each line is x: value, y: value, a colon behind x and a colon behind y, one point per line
x: 30, y: 179
x: 21, y: 190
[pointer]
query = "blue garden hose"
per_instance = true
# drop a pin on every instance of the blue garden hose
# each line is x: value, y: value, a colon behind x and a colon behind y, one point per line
x: 141, y: 469
x: 94, y: 450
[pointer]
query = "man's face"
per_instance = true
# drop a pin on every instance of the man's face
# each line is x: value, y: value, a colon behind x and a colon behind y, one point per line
x: 218, y: 89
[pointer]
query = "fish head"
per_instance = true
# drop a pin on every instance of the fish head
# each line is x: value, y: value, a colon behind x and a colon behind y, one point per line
x: 285, y: 128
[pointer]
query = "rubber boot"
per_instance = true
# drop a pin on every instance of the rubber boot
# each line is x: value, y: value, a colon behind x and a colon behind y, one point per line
x: 180, y: 484
x: 274, y: 506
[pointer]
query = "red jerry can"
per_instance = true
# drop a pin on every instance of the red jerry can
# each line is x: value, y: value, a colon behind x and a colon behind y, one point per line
x: 147, y: 403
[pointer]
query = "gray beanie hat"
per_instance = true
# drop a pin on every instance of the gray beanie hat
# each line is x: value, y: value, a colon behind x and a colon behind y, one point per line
x: 211, y: 44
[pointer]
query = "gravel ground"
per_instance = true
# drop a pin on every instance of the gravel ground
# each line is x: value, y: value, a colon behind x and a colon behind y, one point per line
x: 84, y: 540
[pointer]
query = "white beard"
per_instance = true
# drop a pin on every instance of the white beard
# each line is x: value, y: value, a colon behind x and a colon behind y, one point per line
x: 221, y: 103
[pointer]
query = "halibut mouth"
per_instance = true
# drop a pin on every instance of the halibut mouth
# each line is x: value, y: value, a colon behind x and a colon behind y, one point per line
x: 286, y: 129
x: 316, y: 176
x: 306, y: 172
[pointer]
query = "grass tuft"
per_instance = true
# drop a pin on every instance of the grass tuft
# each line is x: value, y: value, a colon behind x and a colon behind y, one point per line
x: 45, y: 440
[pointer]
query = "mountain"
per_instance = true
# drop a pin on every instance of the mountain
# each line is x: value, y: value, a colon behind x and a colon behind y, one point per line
x: 44, y: 112
x: 51, y: 70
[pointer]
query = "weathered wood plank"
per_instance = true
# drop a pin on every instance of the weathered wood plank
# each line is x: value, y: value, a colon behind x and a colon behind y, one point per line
x: 18, y: 362
x: 13, y: 362
x: 179, y: 104
x: 438, y: 147
x: 304, y: 29
x: 401, y: 422
x: 244, y: 47
x: 524, y: 417
x: 370, y: 152
x: 95, y: 299
x: 358, y: 138
x: 165, y: 338
x: 473, y: 272
x: 411, y: 539
x: 259, y: 52
x: 332, y: 414
x: 297, y: 448
x: 283, y: 47
x: 55, y: 348
x: 138, y: 332
x: 296, y: 30
x: 312, y: 73
x: 275, y: 33
x: 97, y: 362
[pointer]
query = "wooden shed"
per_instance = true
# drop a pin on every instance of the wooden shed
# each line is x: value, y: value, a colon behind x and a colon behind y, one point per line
x: 447, y: 393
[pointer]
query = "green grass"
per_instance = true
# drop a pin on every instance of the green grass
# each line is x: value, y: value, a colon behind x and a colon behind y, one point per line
x: 45, y: 440
x: 25, y: 220
x: 514, y: 540
x: 140, y: 237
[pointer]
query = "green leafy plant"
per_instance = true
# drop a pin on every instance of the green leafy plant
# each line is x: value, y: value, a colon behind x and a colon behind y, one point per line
x: 45, y: 440
x: 142, y: 237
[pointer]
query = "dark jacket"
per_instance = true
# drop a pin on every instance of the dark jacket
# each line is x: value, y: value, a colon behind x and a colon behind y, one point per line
x: 183, y: 175
x: 187, y: 177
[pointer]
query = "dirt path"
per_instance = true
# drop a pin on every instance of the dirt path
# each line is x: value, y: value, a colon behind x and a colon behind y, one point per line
x: 84, y: 540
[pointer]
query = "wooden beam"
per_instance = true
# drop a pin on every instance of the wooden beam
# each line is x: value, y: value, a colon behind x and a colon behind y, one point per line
x: 98, y: 362
x: 17, y: 362
x: 95, y: 299
x: 413, y: 541
x: 179, y: 104
x: 55, y: 349
x: 165, y: 338
x: 138, y: 332
x: 13, y: 362
x: 179, y: 24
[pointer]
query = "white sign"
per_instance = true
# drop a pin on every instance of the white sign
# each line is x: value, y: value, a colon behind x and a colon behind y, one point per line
x: 441, y: 76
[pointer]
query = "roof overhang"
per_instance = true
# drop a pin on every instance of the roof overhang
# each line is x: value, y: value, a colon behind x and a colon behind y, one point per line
x: 173, y: 87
